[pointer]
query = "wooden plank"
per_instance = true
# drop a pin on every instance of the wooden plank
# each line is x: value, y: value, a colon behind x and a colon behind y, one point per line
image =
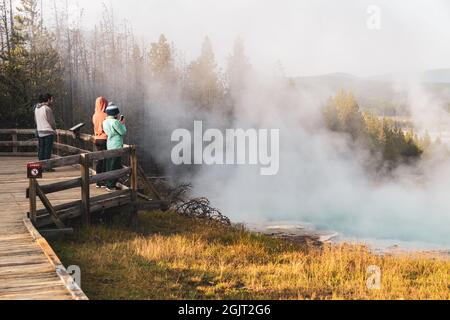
x: 110, y: 203
x: 69, y: 149
x: 97, y: 204
x: 144, y: 197
x: 103, y: 155
x: 47, y: 295
x: 60, y: 162
x: 111, y: 175
x: 85, y: 189
x: 72, y: 287
x: 18, y: 143
x: 32, y: 195
x: 18, y: 154
x: 66, y: 214
x: 53, y: 287
x: 82, y: 136
x: 62, y: 207
x: 28, y: 277
x: 61, y: 186
x: 49, y: 207
x: 55, y: 233
x: 77, y: 182
x: 65, y: 133
x: 22, y: 259
x: 14, y: 139
x: 77, y: 203
x: 148, y: 183
x: 18, y: 131
x: 14, y: 284
x: 134, y: 173
x: 134, y: 186
x: 24, y: 268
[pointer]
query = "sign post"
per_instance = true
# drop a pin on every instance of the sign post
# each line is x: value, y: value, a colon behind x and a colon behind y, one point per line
x: 34, y: 171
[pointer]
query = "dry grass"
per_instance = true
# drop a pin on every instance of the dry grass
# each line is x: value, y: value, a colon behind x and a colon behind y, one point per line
x: 177, y: 258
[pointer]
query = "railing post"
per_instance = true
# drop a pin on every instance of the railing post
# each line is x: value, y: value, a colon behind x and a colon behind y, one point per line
x: 85, y: 190
x: 58, y: 140
x: 134, y: 183
x: 32, y: 196
x: 14, y: 139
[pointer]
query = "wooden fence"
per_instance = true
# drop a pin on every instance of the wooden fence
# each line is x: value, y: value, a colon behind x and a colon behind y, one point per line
x: 79, y: 152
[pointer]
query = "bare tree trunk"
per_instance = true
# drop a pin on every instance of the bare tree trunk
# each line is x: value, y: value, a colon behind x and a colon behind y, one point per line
x: 5, y: 25
x: 68, y: 114
x: 58, y: 32
x: 11, y: 21
x: 2, y: 41
x: 41, y: 24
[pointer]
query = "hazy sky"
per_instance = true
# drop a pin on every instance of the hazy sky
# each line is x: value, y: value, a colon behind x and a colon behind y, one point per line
x: 308, y: 37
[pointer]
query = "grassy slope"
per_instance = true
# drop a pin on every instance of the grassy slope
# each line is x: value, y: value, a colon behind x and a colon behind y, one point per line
x: 176, y: 258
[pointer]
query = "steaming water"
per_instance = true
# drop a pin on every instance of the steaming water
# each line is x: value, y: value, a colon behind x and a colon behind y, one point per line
x: 389, y: 246
x: 295, y: 229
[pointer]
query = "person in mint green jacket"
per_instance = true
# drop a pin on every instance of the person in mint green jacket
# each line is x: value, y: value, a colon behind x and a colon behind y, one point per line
x: 115, y: 129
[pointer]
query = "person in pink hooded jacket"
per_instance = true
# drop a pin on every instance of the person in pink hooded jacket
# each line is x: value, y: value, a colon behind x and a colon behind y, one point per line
x: 99, y: 134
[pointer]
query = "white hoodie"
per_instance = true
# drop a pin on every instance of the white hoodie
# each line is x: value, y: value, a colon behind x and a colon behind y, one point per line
x: 45, y: 121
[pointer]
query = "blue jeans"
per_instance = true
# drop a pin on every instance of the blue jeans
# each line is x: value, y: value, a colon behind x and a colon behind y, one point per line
x: 45, y: 148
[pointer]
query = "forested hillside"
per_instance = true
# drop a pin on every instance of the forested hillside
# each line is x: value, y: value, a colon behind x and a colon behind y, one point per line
x: 388, y: 144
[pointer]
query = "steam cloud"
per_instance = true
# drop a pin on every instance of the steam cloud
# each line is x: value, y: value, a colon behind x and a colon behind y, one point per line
x: 321, y: 180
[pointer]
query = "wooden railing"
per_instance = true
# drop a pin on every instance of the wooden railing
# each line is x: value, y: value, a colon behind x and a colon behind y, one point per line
x: 15, y: 144
x: 79, y: 151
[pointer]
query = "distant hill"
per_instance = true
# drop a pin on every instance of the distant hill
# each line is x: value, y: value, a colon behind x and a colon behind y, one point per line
x: 437, y: 76
x: 383, y: 95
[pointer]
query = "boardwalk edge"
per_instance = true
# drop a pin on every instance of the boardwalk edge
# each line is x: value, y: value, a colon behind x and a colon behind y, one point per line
x: 60, y: 270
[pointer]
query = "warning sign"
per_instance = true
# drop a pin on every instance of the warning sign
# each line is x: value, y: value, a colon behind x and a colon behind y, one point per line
x: 34, y: 170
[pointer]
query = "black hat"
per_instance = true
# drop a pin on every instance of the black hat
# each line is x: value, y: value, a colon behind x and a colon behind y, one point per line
x: 112, y: 110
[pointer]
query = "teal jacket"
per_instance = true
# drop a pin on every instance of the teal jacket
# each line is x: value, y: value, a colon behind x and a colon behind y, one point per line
x: 115, y: 131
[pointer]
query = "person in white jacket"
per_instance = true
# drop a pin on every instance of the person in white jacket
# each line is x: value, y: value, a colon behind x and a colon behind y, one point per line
x: 46, y: 126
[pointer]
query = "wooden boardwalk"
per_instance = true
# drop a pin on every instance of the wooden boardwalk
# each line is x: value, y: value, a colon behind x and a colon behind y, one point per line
x: 29, y: 269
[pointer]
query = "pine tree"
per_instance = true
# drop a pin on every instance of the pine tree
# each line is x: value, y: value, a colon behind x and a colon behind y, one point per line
x: 349, y: 118
x: 161, y: 61
x: 42, y: 60
x: 31, y: 67
x: 239, y: 69
x: 426, y: 141
x: 238, y: 76
x: 203, y: 85
x: 379, y: 136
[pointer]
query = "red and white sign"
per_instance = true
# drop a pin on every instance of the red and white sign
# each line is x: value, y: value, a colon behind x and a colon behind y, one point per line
x: 34, y: 170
